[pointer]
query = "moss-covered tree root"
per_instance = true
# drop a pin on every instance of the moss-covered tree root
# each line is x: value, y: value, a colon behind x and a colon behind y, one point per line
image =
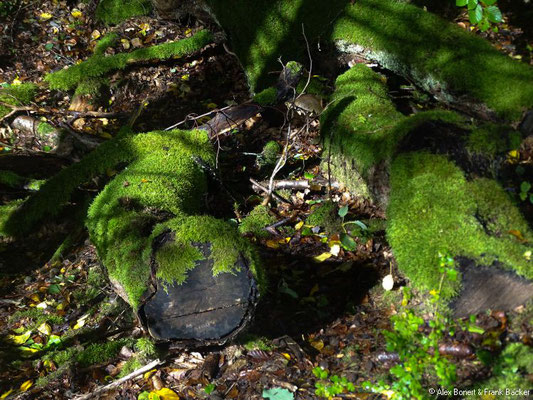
x: 454, y: 65
x: 437, y: 197
x: 187, y: 275
x: 99, y: 64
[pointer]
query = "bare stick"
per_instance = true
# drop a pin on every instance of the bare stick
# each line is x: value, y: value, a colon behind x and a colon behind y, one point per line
x: 264, y: 189
x: 120, y: 381
x: 310, y: 62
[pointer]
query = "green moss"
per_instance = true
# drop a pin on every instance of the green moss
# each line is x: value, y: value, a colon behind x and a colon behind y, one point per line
x: 99, y: 65
x: 400, y: 36
x: 113, y: 12
x: 7, y: 211
x: 270, y: 153
x: 11, y: 179
x: 91, y: 87
x: 256, y: 221
x: 97, y: 353
x: 131, y: 365
x: 266, y: 97
x: 326, y: 216
x: 254, y: 342
x: 492, y: 139
x: 512, y: 370
x: 44, y: 129
x: 146, y: 347
x: 16, y: 95
x: 108, y: 40
x: 36, y: 317
x: 433, y: 209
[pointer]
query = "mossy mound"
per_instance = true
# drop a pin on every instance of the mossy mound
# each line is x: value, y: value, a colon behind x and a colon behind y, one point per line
x: 492, y: 139
x: 16, y: 95
x: 433, y: 208
x: 113, y: 12
x: 105, y: 42
x: 326, y: 216
x: 11, y: 179
x: 99, y: 65
x: 256, y: 222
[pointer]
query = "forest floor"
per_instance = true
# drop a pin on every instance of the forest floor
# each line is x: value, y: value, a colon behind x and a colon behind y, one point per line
x: 323, y: 308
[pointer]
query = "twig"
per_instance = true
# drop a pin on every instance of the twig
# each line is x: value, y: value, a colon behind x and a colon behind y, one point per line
x: 310, y: 61
x: 47, y: 110
x: 120, y: 381
x: 14, y: 109
x: 190, y: 118
x: 264, y: 189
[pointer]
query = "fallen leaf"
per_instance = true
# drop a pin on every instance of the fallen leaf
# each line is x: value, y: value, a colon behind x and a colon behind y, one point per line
x: 323, y: 257
x: 517, y: 234
x: 19, y: 339
x: 76, y: 13
x: 388, y: 282
x: 45, y: 329
x: 45, y: 16
x: 335, y: 249
x: 26, y: 385
x: 277, y: 394
x: 166, y: 394
x: 5, y: 394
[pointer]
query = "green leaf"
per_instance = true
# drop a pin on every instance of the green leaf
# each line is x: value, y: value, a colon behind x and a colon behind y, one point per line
x: 143, y: 395
x: 348, y: 243
x: 489, y: 2
x: 277, y: 394
x: 209, y: 388
x: 475, y: 329
x: 461, y: 3
x: 472, y: 4
x: 54, y: 289
x: 343, y: 211
x: 523, y: 196
x: 49, y: 46
x: 494, y: 14
x: 476, y: 14
x: 309, y: 175
x: 525, y: 186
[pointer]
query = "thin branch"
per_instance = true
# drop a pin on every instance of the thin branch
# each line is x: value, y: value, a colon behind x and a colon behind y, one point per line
x: 118, y: 382
x: 264, y: 189
x: 310, y: 62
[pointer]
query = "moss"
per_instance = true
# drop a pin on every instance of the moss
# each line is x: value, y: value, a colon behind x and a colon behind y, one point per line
x: 511, y: 371
x: 108, y: 40
x: 91, y: 87
x: 433, y: 209
x: 11, y: 179
x: 44, y: 129
x: 113, y: 12
x: 254, y: 342
x: 97, y: 353
x: 492, y: 139
x: 16, y: 95
x: 131, y: 365
x: 6, y: 213
x: 256, y: 221
x: 326, y: 216
x: 269, y: 155
x: 400, y: 36
x: 35, y: 316
x: 146, y: 347
x: 99, y: 65
x: 266, y: 97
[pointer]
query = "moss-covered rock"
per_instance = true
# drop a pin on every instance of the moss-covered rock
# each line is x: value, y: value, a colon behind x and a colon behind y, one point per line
x: 492, y: 139
x: 269, y: 155
x: 16, y: 95
x: 113, y: 12
x: 433, y: 208
x: 99, y: 65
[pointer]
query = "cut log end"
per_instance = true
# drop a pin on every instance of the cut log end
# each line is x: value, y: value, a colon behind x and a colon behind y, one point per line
x: 205, y: 309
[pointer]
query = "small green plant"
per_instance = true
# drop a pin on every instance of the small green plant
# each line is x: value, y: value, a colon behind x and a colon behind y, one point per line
x: 418, y: 351
x: 330, y: 386
x: 347, y: 241
x: 210, y: 388
x: 482, y: 13
x: 525, y: 192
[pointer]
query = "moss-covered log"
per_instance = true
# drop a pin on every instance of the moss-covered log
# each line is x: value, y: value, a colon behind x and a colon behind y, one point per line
x: 454, y: 65
x: 187, y: 275
x: 430, y: 172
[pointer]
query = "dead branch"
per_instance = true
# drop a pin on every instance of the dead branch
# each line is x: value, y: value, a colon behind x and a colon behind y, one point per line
x: 118, y: 382
x: 264, y: 189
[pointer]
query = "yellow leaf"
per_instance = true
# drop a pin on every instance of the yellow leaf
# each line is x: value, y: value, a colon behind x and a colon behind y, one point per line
x: 317, y: 344
x: 45, y: 329
x: 299, y: 225
x: 167, y: 394
x: 388, y: 393
x: 106, y: 135
x: 42, y: 305
x: 95, y: 34
x: 273, y: 244
x: 27, y: 351
x: 314, y: 289
x: 4, y: 395
x: 518, y: 235
x: 527, y: 255
x: 81, y: 322
x: 185, y: 77
x: 286, y: 355
x: 76, y: 13
x: 45, y: 16
x: 26, y: 385
x: 19, y: 339
x: 188, y: 32
x: 323, y: 257
x: 148, y: 374
x: 211, y: 106
x: 35, y: 298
